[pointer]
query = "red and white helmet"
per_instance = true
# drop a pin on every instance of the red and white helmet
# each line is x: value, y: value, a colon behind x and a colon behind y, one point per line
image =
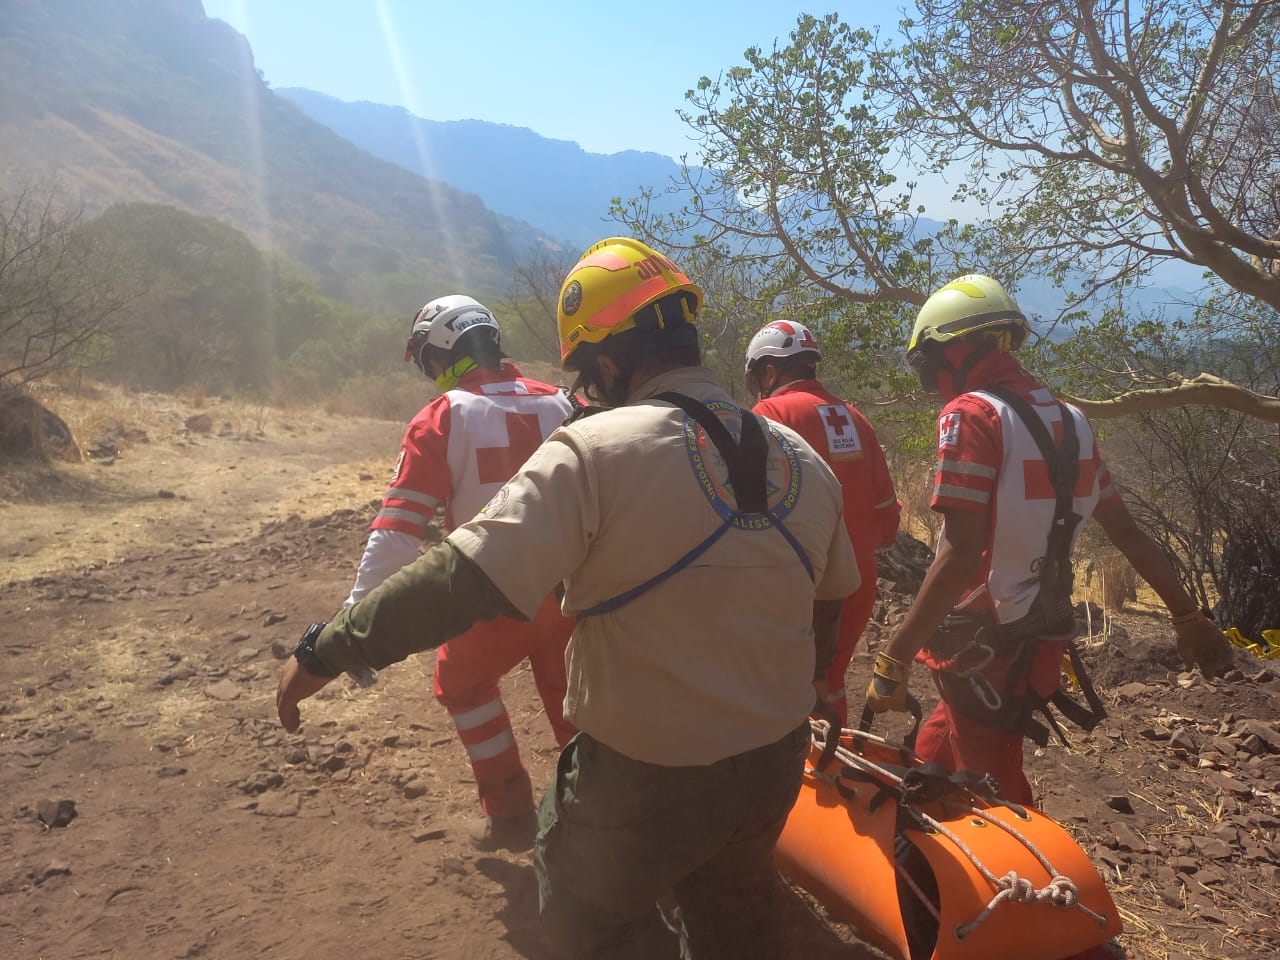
x: 442, y: 321
x: 782, y: 338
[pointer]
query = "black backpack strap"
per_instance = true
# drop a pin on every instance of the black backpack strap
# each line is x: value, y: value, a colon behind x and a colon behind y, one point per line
x: 1084, y: 718
x: 746, y: 459
x: 747, y: 462
x: 1064, y: 469
x: 1064, y: 464
x: 581, y: 411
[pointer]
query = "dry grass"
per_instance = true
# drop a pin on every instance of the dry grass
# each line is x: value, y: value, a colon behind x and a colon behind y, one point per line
x: 90, y: 409
x: 1117, y: 581
x: 398, y: 397
x: 914, y: 486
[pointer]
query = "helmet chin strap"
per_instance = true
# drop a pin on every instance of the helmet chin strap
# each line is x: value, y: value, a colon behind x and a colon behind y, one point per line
x: 450, y: 376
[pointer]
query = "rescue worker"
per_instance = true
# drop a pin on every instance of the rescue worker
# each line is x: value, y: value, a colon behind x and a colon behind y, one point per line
x: 704, y: 555
x: 782, y: 370
x: 1017, y: 472
x: 456, y: 454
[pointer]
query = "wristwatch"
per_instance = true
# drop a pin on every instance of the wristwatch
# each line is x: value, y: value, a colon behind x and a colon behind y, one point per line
x: 305, y: 651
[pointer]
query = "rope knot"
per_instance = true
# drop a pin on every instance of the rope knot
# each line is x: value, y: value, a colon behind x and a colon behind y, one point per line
x: 1062, y: 892
x: 1016, y: 888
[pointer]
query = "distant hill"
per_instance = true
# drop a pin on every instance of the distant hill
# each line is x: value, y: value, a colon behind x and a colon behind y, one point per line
x: 566, y: 192
x: 553, y: 184
x: 150, y: 100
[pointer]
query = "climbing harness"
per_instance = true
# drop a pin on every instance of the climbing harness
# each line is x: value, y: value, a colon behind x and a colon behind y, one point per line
x: 949, y: 870
x: 966, y: 643
x: 747, y: 462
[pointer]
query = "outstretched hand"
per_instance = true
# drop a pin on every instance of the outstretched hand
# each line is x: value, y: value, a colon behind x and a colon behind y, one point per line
x: 295, y: 685
x: 1202, y: 644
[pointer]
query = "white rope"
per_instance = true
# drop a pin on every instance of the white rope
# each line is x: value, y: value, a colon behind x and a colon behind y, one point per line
x: 1061, y: 891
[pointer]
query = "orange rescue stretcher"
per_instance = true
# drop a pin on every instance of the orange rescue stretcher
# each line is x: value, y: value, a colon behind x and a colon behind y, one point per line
x: 932, y: 865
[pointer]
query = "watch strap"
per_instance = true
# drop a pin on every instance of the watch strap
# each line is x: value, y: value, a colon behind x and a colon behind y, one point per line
x: 305, y: 651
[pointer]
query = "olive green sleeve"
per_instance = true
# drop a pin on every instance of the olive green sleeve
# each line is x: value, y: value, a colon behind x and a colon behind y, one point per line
x: 826, y: 626
x: 421, y: 606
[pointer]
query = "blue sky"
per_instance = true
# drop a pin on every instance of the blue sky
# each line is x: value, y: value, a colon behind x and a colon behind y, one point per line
x: 609, y: 76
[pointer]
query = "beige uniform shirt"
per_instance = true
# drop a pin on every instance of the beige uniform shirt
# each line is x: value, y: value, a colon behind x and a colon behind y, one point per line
x: 719, y: 657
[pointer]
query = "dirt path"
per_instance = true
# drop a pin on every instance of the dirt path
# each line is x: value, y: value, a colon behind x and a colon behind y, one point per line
x: 140, y: 638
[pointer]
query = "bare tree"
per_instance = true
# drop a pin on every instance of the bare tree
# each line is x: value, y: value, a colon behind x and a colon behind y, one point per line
x: 797, y: 176
x: 533, y: 297
x: 1097, y: 139
x: 60, y: 286
x: 1109, y: 134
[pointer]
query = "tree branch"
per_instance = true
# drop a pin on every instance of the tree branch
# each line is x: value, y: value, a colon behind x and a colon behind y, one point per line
x: 1205, y: 389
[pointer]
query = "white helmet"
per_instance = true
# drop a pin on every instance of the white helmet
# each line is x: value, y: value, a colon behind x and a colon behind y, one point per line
x: 444, y: 320
x: 782, y: 338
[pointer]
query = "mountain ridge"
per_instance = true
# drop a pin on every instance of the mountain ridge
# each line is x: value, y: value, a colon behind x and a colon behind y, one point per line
x: 151, y: 100
x: 563, y: 190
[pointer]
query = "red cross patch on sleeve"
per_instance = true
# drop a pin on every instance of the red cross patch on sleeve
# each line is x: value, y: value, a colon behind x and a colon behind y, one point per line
x: 843, y: 441
x: 949, y: 431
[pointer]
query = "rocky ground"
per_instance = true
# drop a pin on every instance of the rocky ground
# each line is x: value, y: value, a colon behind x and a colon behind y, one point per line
x: 152, y: 807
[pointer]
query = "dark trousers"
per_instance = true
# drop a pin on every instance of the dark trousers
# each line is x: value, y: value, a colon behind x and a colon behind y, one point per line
x: 616, y: 835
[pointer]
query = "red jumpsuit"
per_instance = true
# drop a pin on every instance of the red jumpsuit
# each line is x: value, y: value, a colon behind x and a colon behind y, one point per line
x: 989, y: 463
x: 848, y: 442
x: 456, y: 454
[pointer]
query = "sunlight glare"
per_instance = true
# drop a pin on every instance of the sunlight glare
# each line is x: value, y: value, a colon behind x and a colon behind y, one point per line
x: 409, y: 99
x: 256, y: 174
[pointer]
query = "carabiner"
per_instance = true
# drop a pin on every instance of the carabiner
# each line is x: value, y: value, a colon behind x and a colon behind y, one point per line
x: 985, y: 692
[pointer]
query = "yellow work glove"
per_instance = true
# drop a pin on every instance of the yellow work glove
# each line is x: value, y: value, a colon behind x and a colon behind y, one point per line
x: 1201, y: 643
x: 888, y: 687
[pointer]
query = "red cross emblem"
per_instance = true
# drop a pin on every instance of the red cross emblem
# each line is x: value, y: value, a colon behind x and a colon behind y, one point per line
x: 837, y: 420
x: 499, y: 464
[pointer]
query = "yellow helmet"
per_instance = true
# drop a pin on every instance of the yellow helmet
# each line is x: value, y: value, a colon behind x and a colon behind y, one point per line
x: 966, y: 305
x: 608, y: 285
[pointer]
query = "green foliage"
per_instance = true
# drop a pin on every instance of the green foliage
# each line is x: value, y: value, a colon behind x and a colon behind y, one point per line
x: 207, y: 314
x: 1094, y: 141
x: 215, y: 311
x: 806, y: 216
x: 1204, y: 482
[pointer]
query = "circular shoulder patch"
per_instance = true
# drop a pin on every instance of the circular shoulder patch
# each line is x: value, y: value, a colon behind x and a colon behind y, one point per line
x: 782, y: 477
x: 496, y: 502
x: 572, y: 299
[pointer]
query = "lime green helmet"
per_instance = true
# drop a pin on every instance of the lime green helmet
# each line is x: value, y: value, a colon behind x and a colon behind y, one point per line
x: 967, y: 305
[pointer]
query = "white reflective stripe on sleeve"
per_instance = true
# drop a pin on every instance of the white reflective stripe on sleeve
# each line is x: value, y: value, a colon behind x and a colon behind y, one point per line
x: 494, y: 746
x: 404, y: 493
x: 965, y: 467
x: 398, y: 513
x: 385, y: 552
x: 952, y: 492
x: 471, y: 719
x: 884, y: 504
